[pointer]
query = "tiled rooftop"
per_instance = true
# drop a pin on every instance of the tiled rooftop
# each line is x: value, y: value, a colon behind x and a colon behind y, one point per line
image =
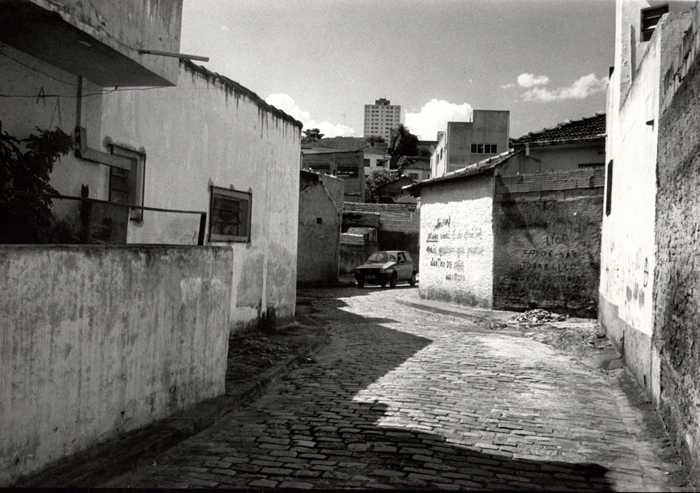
x: 584, y: 129
x: 392, y: 212
x: 471, y: 170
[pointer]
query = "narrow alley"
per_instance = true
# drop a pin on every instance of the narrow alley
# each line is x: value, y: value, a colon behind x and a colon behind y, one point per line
x: 403, y: 398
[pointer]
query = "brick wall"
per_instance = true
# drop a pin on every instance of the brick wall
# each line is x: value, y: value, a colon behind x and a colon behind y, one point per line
x: 677, y: 335
x: 547, y: 252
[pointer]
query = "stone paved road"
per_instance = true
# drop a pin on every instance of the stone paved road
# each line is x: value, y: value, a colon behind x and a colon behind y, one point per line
x: 403, y: 398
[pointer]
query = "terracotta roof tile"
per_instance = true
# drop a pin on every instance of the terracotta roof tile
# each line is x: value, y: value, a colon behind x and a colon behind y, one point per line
x: 393, y: 212
x: 584, y: 129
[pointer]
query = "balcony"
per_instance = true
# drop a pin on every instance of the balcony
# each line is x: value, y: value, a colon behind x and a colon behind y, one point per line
x: 99, y: 40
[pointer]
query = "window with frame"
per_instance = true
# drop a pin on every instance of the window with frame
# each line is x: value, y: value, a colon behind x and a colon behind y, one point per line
x: 484, y: 149
x: 230, y: 215
x: 126, y: 184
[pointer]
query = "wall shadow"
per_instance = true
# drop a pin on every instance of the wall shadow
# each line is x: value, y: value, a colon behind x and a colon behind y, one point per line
x: 411, y: 458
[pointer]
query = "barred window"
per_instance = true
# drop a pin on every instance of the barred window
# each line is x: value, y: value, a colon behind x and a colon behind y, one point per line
x: 230, y: 215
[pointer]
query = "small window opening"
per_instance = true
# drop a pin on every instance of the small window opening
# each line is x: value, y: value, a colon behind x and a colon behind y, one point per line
x: 608, y: 189
x: 650, y: 18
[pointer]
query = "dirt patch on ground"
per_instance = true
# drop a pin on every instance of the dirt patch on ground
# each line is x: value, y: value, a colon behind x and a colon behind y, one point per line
x: 251, y: 354
x: 580, y: 336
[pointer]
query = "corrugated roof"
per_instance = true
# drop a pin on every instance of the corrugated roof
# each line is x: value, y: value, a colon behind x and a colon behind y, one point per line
x: 471, y: 170
x: 393, y: 212
x: 590, y: 128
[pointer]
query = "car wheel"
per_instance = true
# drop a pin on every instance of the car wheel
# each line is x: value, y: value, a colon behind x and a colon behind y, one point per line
x: 361, y: 283
x: 412, y: 282
x: 392, y: 281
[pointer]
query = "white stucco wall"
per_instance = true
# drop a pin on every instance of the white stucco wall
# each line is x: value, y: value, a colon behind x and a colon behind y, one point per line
x: 202, y: 133
x: 628, y: 232
x: 46, y: 97
x: 456, y: 241
x: 98, y: 341
x: 628, y: 250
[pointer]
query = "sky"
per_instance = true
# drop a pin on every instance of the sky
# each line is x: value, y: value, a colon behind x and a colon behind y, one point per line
x: 321, y: 61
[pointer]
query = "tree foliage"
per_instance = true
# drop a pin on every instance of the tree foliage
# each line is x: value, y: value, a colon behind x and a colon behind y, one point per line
x: 311, y: 135
x: 25, y: 192
x: 375, y: 179
x: 375, y: 139
x: 403, y: 143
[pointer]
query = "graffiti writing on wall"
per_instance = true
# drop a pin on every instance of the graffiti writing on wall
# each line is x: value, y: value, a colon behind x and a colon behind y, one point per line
x: 449, y: 246
x: 626, y: 276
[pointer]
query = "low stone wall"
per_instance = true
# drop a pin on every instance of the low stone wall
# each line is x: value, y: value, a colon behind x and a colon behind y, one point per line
x: 97, y: 341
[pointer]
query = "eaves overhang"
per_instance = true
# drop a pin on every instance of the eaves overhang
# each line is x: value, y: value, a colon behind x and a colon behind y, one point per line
x: 482, y: 167
x: 99, y: 40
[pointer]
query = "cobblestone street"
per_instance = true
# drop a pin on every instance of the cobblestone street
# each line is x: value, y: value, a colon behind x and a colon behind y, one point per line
x: 403, y: 398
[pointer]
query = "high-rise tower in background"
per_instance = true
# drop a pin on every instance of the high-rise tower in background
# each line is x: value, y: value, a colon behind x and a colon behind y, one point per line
x: 381, y: 117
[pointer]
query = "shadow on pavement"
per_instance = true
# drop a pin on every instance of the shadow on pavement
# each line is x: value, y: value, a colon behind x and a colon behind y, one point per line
x: 329, y: 420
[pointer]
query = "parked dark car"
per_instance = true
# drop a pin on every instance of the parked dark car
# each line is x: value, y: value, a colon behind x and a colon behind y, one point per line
x: 386, y: 267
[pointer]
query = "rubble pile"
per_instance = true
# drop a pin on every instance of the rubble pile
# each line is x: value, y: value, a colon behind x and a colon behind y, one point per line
x: 537, y: 316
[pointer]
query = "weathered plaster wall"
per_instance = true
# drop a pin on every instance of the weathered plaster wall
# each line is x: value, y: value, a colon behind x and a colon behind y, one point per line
x: 628, y: 254
x: 456, y: 242
x: 677, y: 336
x: 127, y: 26
x: 320, y: 217
x: 98, y: 341
x: 548, y: 253
x: 23, y: 75
x: 486, y: 127
x: 210, y: 131
x: 545, y: 159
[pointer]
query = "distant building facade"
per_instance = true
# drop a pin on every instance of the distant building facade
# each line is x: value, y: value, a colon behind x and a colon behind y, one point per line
x: 320, y: 217
x: 348, y: 165
x: 465, y: 143
x: 381, y: 117
x: 519, y: 229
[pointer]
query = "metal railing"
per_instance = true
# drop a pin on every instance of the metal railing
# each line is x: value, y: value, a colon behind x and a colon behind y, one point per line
x: 78, y: 220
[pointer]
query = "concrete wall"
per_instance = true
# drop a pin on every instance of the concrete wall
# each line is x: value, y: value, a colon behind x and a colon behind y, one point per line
x: 555, y: 158
x: 320, y: 218
x: 206, y: 131
x: 456, y: 242
x: 547, y: 253
x: 21, y: 116
x: 438, y: 158
x: 338, y: 163
x: 677, y: 305
x: 628, y: 254
x: 127, y: 26
x: 628, y: 251
x: 211, y: 131
x: 486, y: 127
x: 98, y: 341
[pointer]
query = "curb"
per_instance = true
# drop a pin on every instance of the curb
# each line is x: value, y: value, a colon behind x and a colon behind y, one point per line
x: 98, y: 464
x: 459, y: 312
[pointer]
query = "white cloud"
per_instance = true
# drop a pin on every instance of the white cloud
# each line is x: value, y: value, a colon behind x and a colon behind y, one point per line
x: 580, y: 89
x: 433, y: 117
x: 285, y: 103
x: 530, y: 80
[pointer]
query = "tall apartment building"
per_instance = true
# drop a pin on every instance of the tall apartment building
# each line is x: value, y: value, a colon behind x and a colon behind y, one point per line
x: 381, y: 117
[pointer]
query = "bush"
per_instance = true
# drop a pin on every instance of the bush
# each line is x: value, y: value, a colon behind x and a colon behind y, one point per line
x: 25, y: 192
